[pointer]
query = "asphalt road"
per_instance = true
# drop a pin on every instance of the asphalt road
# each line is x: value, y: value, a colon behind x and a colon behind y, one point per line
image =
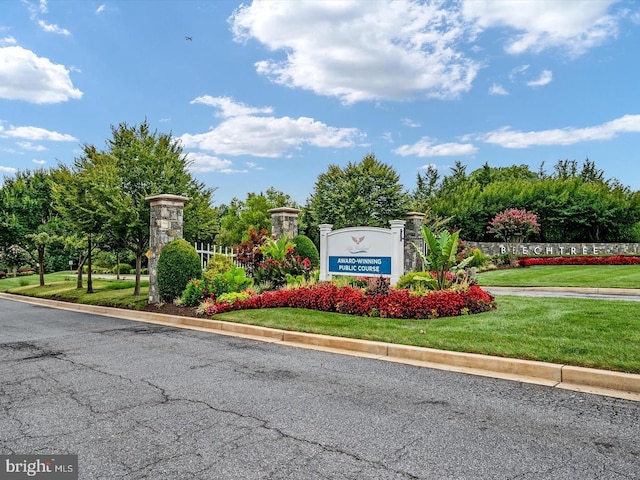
x: 141, y: 401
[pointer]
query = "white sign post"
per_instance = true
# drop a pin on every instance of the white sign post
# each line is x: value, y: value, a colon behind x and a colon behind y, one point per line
x: 362, y: 251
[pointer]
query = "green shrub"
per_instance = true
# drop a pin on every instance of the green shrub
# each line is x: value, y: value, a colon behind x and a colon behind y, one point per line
x: 218, y: 264
x: 237, y: 278
x: 178, y: 263
x: 232, y: 297
x: 218, y: 285
x: 414, y: 281
x: 194, y: 294
x: 306, y: 249
x: 125, y: 268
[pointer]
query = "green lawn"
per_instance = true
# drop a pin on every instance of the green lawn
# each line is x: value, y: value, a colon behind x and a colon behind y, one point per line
x: 596, y: 276
x: 584, y: 332
x: 62, y: 285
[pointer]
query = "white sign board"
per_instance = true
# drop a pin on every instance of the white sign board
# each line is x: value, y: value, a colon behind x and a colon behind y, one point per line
x: 362, y: 251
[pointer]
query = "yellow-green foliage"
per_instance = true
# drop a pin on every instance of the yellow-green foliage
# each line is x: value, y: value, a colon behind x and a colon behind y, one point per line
x: 218, y: 264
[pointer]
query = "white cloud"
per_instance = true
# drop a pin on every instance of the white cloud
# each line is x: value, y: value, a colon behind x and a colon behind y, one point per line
x: 508, y: 138
x: 360, y: 51
x: 518, y: 71
x: 253, y: 166
x: 243, y: 133
x: 7, y: 169
x: 39, y: 162
x: 407, y: 122
x: 387, y: 137
x: 53, y: 28
x: 31, y: 147
x: 573, y: 26
x: 43, y: 6
x: 497, y: 89
x: 426, y: 148
x: 203, y: 163
x: 428, y: 166
x: 100, y: 9
x: 270, y: 136
x: 25, y: 76
x: 545, y: 78
x: 35, y: 134
x: 7, y: 41
x: 229, y: 108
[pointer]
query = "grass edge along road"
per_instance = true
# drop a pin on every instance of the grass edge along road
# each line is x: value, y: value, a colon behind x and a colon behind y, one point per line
x: 582, y: 332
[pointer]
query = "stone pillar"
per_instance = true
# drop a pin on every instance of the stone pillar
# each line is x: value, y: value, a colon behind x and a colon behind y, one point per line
x: 397, y: 250
x: 325, y: 230
x: 284, y: 221
x: 413, y: 234
x: 165, y: 225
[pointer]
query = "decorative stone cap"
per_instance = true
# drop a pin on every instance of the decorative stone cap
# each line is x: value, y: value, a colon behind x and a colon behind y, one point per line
x: 284, y: 210
x: 414, y: 215
x: 167, y: 199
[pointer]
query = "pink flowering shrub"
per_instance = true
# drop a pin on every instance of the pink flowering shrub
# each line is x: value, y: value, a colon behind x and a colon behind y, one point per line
x: 512, y: 224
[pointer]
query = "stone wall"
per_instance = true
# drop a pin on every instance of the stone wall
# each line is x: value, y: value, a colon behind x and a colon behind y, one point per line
x: 558, y: 249
x: 284, y: 221
x: 413, y: 234
x: 166, y: 225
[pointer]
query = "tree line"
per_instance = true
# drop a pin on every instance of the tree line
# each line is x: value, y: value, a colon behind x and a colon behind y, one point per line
x: 98, y: 202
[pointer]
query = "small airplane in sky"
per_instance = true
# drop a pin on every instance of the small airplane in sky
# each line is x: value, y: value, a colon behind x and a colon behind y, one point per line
x: 189, y: 38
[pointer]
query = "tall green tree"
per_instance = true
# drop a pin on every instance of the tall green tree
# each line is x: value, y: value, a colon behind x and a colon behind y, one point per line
x: 138, y: 163
x: 27, y: 216
x: 573, y: 204
x: 365, y: 193
x: 240, y: 216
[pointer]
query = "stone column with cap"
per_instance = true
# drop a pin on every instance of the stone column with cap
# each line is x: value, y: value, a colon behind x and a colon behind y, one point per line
x: 284, y: 221
x: 413, y: 234
x: 166, y: 225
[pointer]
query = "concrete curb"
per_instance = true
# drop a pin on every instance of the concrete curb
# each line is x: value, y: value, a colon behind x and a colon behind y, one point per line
x: 625, y: 292
x: 601, y: 382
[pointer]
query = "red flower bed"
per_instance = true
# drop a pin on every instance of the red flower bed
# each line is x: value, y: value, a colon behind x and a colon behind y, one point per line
x: 354, y: 301
x: 613, y: 260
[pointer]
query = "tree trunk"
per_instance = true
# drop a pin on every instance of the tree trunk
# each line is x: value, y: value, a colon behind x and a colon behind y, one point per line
x: 136, y: 291
x: 79, y: 272
x: 41, y: 265
x: 118, y: 265
x: 89, y: 279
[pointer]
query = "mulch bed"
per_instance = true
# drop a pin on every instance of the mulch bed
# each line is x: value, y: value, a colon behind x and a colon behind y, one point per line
x: 171, y: 309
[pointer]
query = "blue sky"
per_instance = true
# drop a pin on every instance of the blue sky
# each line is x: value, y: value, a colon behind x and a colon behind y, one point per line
x: 269, y: 94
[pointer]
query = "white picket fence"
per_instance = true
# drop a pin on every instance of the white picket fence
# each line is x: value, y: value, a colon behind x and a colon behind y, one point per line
x: 210, y: 250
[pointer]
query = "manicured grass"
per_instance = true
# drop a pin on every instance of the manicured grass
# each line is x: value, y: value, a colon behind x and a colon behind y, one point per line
x: 596, y: 276
x: 112, y: 293
x: 583, y: 332
x: 10, y: 282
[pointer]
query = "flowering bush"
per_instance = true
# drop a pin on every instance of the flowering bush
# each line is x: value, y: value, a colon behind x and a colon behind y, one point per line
x: 514, y: 226
x: 195, y: 293
x: 276, y: 271
x: 613, y: 260
x: 354, y: 301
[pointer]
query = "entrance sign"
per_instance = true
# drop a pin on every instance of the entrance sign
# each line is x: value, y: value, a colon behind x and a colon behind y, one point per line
x: 362, y: 251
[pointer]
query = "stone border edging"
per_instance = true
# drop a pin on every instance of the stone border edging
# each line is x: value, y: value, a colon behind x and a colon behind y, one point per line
x: 601, y: 382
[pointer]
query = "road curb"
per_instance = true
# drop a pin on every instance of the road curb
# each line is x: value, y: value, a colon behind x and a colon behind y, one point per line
x: 601, y: 382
